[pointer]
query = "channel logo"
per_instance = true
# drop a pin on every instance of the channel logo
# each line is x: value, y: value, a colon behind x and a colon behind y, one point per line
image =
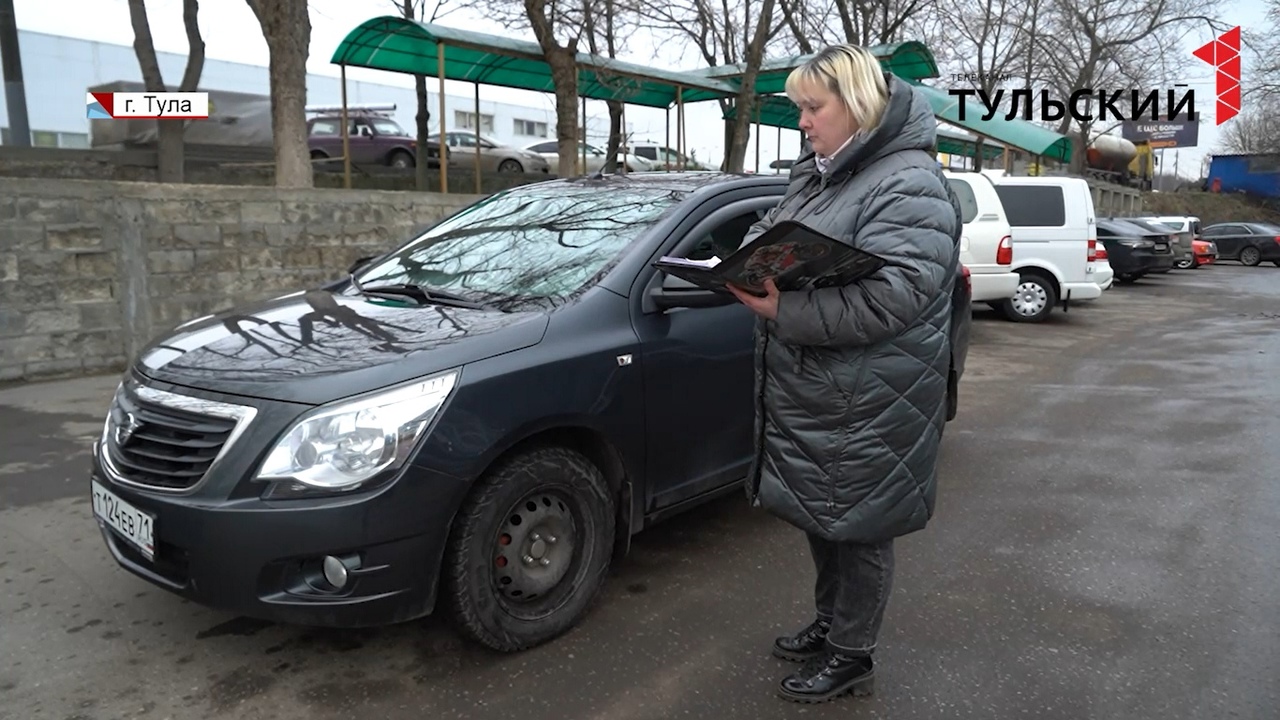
x: 1224, y: 55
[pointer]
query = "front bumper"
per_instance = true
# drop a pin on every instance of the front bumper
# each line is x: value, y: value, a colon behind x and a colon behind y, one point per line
x: 224, y: 547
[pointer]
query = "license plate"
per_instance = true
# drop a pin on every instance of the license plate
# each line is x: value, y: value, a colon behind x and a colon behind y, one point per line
x: 128, y: 521
x: 1162, y: 246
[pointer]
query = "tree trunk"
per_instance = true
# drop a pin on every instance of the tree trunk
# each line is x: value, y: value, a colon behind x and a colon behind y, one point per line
x: 564, y: 75
x: 421, y: 169
x: 616, y: 132
x: 287, y: 30
x: 169, y: 156
x: 420, y: 164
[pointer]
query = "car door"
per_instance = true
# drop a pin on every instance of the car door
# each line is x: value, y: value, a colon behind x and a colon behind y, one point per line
x: 360, y: 139
x: 699, y: 372
x: 1230, y: 239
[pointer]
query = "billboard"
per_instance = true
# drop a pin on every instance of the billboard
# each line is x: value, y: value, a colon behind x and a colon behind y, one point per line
x: 1162, y: 133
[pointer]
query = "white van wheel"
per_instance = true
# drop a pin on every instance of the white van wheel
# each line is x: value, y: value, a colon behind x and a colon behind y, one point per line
x: 1033, y: 300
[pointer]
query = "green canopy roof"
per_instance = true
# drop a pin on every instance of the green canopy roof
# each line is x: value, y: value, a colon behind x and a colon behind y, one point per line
x: 778, y: 111
x: 399, y: 45
x: 911, y: 60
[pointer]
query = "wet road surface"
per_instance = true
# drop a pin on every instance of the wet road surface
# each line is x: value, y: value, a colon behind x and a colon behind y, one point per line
x: 1107, y: 545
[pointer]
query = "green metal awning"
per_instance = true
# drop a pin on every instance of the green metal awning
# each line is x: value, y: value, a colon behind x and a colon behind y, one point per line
x: 778, y: 111
x: 1018, y: 134
x: 399, y: 45
x: 910, y: 60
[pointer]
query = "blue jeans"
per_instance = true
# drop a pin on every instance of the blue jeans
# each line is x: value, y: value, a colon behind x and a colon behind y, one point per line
x: 851, y: 592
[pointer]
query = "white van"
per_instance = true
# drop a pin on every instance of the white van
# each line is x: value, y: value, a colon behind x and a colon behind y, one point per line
x: 1055, y: 241
x: 986, y: 247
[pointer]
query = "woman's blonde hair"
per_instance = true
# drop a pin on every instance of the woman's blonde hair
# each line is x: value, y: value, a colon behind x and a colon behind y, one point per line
x: 853, y: 74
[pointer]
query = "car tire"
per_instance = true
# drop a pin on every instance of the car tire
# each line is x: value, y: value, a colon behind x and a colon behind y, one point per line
x: 401, y: 159
x: 510, y: 166
x: 1033, y: 301
x: 529, y: 550
x: 1186, y: 264
x: 1250, y: 256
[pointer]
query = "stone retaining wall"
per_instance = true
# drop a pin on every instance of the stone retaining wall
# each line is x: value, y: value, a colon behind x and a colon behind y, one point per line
x: 90, y: 271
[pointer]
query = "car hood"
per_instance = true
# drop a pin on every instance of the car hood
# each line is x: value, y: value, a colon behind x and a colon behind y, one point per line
x: 316, y: 346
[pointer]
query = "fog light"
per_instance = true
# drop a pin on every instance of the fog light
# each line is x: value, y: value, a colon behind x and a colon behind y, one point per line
x: 335, y: 572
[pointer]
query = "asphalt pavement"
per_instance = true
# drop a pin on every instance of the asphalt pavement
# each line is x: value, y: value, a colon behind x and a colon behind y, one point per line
x: 1107, y: 545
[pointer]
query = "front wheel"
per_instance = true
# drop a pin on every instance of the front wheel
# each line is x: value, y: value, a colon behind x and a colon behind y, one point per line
x: 1250, y: 256
x: 529, y: 550
x: 1185, y: 263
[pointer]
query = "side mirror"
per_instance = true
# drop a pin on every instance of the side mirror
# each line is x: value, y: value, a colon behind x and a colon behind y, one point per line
x: 677, y: 293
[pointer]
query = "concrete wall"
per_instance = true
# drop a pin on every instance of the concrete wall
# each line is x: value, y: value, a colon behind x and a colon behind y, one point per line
x: 92, y: 270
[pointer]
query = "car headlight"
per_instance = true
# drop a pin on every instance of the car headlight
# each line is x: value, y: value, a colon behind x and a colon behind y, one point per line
x: 354, y: 445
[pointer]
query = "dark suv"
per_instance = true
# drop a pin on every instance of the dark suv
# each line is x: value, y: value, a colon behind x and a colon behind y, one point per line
x: 484, y: 415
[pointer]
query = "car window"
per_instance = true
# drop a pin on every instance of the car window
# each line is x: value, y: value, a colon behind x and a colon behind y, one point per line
x: 647, y: 152
x: 968, y: 201
x: 389, y: 127
x: 530, y: 242
x: 546, y: 147
x: 325, y: 127
x: 1033, y: 205
x: 722, y: 240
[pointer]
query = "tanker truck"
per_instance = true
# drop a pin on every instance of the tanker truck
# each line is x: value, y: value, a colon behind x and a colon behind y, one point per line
x: 1115, y: 159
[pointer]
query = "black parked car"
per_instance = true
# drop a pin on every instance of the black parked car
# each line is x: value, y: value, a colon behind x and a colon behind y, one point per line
x: 485, y: 416
x: 1248, y: 242
x: 1134, y: 251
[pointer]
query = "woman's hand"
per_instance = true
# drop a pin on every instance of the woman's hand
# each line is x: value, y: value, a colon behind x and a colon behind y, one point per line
x: 766, y: 307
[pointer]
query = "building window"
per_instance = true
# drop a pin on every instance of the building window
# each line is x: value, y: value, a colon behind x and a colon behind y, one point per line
x: 530, y: 128
x: 79, y: 141
x: 467, y: 121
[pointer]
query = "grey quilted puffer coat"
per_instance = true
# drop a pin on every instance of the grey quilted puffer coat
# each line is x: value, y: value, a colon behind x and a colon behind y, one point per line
x: 851, y: 382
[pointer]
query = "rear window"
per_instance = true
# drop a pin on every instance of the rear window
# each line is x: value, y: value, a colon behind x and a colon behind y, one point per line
x: 968, y: 202
x: 1033, y: 205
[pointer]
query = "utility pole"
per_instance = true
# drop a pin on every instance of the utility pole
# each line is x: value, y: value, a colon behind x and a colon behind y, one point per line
x: 15, y: 97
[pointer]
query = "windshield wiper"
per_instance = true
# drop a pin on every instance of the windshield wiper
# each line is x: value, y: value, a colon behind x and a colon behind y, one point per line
x: 421, y: 293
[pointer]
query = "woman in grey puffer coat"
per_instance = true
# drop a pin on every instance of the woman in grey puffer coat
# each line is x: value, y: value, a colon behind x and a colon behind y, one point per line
x: 851, y: 382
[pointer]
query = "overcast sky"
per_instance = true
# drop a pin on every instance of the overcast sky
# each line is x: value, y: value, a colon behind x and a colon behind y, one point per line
x: 231, y: 32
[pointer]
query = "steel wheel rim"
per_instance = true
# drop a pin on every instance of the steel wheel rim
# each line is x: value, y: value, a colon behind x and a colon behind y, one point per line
x: 534, y: 549
x: 1030, y: 298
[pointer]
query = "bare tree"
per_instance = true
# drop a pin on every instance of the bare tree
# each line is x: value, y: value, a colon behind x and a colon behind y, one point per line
x: 1261, y: 48
x: 558, y: 28
x: 1117, y: 46
x: 412, y: 10
x: 169, y: 145
x: 724, y: 35
x: 610, y: 26
x: 1256, y: 130
x: 550, y: 25
x: 861, y: 22
x: 286, y: 26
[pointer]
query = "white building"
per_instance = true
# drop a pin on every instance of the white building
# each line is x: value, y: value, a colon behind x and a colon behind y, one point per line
x: 58, y: 71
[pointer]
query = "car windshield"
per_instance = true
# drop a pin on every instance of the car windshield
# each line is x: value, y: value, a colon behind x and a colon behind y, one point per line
x: 540, y: 244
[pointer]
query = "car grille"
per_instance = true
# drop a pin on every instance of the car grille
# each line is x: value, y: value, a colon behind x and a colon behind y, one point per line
x: 155, y: 442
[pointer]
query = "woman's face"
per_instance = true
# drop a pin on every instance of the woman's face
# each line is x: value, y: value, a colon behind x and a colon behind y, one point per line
x: 824, y: 119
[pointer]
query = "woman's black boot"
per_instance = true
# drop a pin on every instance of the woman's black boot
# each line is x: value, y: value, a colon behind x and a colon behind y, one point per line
x: 809, y: 643
x: 820, y: 682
